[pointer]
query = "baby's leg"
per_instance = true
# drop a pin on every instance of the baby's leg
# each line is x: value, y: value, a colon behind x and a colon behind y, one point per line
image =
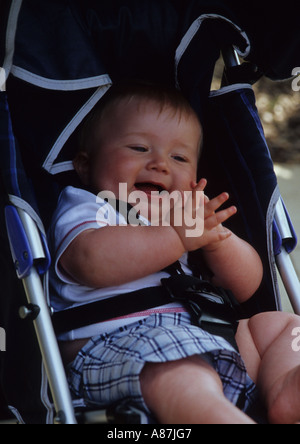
x: 188, y: 391
x: 265, y: 343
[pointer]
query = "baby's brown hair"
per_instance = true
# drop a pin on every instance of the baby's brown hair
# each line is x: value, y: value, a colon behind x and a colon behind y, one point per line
x: 164, y: 96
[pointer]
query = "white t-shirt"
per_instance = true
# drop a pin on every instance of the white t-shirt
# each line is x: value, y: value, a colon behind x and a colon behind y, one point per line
x: 79, y: 210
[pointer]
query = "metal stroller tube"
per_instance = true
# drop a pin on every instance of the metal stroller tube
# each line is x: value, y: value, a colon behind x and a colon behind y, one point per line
x: 284, y: 264
x: 50, y: 351
x: 29, y: 254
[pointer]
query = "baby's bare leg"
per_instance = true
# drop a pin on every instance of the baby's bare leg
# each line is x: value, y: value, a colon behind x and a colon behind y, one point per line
x: 265, y: 343
x: 188, y: 391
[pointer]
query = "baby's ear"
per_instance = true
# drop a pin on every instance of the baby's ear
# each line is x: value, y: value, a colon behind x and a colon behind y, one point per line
x: 82, y: 166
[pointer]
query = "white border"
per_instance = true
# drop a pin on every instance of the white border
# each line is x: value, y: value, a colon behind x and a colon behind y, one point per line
x: 269, y: 233
x: 60, y: 85
x: 230, y: 88
x: 11, y: 29
x: 25, y: 206
x: 192, y: 31
x: 49, y: 164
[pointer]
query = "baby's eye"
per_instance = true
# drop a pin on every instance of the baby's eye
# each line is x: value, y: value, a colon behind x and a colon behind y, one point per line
x: 140, y: 149
x: 180, y: 158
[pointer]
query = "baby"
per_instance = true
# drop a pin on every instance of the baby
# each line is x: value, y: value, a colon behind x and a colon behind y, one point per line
x: 149, y: 138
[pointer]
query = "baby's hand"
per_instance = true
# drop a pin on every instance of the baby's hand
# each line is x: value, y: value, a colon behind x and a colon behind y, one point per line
x: 213, y: 232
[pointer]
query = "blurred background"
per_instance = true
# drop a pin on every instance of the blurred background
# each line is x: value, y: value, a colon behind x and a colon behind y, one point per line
x: 279, y: 108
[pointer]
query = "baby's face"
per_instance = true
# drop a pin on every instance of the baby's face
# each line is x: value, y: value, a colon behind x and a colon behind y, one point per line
x: 147, y: 148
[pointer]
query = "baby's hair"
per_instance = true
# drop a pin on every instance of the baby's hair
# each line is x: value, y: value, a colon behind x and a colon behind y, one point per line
x: 164, y: 96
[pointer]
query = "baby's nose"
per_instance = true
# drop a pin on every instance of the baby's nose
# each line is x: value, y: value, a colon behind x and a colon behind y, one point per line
x: 159, y: 163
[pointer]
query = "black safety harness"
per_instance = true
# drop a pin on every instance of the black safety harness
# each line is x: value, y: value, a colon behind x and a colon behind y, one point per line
x: 212, y: 308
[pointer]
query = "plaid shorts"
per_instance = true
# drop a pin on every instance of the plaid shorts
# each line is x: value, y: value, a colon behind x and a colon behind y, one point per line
x: 107, y: 370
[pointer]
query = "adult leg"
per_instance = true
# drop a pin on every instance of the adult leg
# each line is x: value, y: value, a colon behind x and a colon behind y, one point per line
x: 265, y: 343
x: 188, y: 391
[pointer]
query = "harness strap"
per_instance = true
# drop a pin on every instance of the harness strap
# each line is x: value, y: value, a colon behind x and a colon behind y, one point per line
x: 213, y: 309
x: 106, y: 309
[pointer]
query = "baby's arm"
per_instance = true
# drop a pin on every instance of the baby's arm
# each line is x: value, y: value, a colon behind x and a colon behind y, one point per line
x: 235, y: 265
x: 115, y: 255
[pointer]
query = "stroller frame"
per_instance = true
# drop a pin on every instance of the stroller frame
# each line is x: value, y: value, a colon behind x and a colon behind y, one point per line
x: 283, y: 260
x: 29, y: 252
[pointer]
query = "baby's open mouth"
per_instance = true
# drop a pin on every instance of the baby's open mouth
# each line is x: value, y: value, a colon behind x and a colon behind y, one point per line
x: 149, y: 187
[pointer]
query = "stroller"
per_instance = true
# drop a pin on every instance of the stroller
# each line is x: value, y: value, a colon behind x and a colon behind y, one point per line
x: 58, y: 59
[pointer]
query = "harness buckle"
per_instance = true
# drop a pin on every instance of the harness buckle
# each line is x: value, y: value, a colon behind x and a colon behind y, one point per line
x: 212, y: 308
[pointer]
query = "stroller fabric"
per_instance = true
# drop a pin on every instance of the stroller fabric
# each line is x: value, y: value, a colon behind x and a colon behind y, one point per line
x: 63, y: 56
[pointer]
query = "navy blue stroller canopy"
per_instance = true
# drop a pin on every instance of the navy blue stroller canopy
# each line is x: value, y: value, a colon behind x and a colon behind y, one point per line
x: 59, y: 58
x: 68, y: 52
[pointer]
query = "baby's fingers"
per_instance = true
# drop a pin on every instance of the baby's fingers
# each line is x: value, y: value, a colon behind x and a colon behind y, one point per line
x: 215, y: 236
x: 200, y: 186
x: 219, y: 218
x: 214, y: 204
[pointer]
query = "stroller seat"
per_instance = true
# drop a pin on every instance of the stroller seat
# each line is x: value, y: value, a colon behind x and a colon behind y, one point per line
x: 58, y: 59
